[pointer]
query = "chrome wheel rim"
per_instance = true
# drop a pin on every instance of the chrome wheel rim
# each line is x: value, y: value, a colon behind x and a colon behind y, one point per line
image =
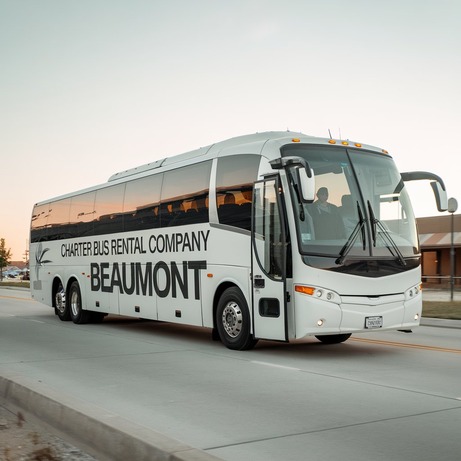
x: 232, y: 319
x: 75, y: 303
x: 60, y: 299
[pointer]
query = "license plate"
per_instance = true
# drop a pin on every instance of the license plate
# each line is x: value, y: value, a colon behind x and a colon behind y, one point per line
x: 374, y: 322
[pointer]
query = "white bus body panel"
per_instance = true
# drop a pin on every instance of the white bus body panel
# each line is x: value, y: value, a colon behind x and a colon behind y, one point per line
x: 354, y: 299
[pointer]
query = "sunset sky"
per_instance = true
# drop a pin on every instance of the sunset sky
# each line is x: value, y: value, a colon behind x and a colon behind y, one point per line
x: 92, y: 87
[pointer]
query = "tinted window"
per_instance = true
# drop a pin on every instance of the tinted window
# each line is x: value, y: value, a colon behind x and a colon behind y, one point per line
x: 142, y: 201
x: 185, y: 195
x: 58, y: 220
x: 82, y: 214
x: 135, y: 205
x: 234, y: 188
x: 39, y: 232
x: 108, y: 208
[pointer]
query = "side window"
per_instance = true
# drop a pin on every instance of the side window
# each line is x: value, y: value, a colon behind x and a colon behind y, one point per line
x: 269, y: 239
x: 82, y: 215
x: 108, y: 208
x: 58, y: 220
x: 234, y: 188
x: 38, y: 229
x: 185, y: 195
x: 142, y: 203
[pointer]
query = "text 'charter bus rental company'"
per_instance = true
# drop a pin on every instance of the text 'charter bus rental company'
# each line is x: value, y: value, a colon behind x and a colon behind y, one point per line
x: 272, y: 236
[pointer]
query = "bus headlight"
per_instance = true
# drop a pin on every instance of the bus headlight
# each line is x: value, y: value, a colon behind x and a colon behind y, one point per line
x: 413, y: 292
x: 320, y: 293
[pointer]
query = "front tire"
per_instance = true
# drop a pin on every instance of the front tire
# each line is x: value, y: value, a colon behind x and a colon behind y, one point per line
x: 233, y: 321
x: 333, y: 339
x: 77, y: 314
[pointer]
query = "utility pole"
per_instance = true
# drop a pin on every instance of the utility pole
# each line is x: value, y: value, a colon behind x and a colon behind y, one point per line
x: 26, y: 253
x: 452, y: 207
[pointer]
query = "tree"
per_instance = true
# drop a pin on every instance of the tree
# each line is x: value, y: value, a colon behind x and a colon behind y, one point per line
x: 5, y: 257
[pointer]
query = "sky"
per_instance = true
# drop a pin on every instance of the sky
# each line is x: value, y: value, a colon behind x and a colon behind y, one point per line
x: 92, y: 87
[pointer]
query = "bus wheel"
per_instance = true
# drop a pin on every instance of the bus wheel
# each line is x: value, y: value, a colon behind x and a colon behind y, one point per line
x: 77, y: 314
x: 60, y: 306
x: 233, y: 321
x: 333, y: 339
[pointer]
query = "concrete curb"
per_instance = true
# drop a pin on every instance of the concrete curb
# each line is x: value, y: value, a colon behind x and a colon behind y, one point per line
x: 107, y: 434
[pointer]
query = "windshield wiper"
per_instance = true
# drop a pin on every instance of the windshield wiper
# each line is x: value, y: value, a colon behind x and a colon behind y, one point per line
x: 373, y: 223
x: 302, y: 215
x: 360, y: 226
x: 384, y: 234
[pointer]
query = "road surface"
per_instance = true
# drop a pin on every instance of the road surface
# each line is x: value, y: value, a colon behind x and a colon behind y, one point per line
x: 376, y: 397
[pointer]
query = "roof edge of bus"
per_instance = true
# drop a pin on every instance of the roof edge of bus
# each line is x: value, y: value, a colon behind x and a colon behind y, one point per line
x: 238, y: 140
x: 221, y: 148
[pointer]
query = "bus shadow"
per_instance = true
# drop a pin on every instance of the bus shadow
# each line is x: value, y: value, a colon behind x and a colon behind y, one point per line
x: 153, y: 329
x: 313, y: 347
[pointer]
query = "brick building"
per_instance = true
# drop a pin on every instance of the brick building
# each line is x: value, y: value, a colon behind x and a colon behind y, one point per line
x: 435, y: 239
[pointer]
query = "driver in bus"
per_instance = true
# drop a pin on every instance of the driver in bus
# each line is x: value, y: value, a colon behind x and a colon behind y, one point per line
x: 328, y: 224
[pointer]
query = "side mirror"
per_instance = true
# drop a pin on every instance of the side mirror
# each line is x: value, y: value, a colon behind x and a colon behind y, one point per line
x: 306, y: 184
x: 304, y: 175
x: 437, y: 185
x: 440, y: 196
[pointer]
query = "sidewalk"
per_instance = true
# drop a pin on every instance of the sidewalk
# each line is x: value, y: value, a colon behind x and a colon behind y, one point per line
x: 430, y: 294
x: 445, y: 323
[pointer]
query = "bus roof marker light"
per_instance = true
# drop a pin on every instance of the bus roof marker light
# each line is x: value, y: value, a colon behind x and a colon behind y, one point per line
x: 344, y: 143
x: 357, y: 144
x: 331, y: 141
x: 296, y: 140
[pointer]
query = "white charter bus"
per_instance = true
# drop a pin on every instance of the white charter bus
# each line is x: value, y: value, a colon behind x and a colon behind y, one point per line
x: 272, y: 236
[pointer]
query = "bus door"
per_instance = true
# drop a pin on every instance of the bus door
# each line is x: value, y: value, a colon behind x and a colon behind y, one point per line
x: 269, y: 257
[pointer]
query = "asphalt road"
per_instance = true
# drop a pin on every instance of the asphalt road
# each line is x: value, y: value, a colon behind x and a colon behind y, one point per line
x: 376, y: 397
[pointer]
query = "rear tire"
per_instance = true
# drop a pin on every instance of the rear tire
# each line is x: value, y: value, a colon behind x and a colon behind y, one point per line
x: 61, y: 308
x: 333, y: 339
x: 233, y: 321
x: 77, y: 314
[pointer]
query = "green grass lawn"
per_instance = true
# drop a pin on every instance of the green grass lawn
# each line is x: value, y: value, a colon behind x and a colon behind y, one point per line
x: 436, y: 309
x: 15, y: 284
x: 442, y: 309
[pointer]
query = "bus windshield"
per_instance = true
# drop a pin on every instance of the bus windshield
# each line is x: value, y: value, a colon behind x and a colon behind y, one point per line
x: 362, y: 209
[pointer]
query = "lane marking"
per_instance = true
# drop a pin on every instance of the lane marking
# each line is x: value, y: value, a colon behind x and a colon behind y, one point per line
x: 407, y: 345
x: 274, y: 365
